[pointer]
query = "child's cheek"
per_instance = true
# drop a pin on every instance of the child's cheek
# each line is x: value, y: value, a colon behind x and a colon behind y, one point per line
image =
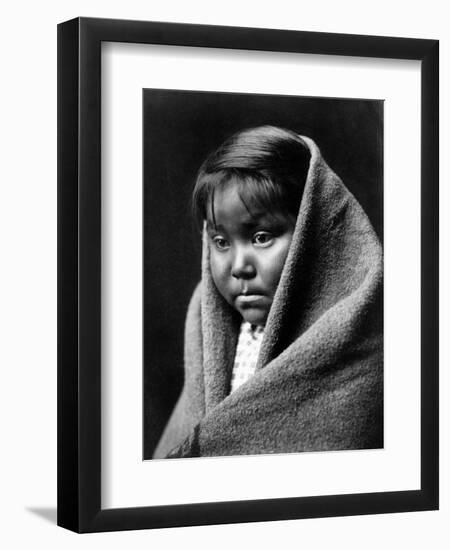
x: 219, y: 270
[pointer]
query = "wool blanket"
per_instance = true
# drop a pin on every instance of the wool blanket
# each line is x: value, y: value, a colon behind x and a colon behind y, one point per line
x: 318, y: 384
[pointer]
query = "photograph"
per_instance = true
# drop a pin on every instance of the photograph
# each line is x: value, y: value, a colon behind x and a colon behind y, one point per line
x: 247, y: 274
x: 225, y: 283
x: 263, y: 274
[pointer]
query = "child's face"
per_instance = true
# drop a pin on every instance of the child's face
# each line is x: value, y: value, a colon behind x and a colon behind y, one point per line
x: 247, y: 253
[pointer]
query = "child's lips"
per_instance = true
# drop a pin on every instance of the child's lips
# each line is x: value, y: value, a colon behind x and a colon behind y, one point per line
x: 249, y: 299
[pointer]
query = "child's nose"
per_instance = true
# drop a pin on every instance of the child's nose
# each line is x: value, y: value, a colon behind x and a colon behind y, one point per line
x: 242, y: 265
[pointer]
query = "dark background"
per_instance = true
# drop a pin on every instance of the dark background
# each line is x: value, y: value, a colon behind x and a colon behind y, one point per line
x: 179, y: 129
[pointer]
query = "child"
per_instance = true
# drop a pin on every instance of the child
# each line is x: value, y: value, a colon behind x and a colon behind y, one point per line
x: 283, y: 337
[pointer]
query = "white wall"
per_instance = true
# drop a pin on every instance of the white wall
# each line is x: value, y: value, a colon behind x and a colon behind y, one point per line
x: 28, y: 271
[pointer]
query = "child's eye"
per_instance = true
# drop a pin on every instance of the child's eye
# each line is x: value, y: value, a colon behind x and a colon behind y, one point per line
x: 220, y: 243
x: 263, y: 238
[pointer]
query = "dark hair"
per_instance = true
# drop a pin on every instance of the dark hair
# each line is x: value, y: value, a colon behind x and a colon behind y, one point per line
x: 269, y: 164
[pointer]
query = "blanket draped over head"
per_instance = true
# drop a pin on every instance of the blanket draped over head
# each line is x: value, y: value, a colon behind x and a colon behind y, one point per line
x: 318, y: 383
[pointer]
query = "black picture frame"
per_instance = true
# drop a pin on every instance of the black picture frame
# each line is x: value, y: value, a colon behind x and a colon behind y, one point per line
x: 79, y: 274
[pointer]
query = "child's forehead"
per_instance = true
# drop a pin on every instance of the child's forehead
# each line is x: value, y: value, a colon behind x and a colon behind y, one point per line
x: 247, y: 201
x: 232, y: 197
x: 221, y: 213
x: 244, y: 219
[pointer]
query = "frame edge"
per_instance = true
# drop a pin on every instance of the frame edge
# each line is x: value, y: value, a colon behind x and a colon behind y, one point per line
x: 67, y: 371
x: 430, y: 275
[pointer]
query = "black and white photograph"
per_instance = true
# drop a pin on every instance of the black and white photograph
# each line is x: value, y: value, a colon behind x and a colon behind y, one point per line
x: 225, y: 275
x: 247, y: 275
x: 263, y: 274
